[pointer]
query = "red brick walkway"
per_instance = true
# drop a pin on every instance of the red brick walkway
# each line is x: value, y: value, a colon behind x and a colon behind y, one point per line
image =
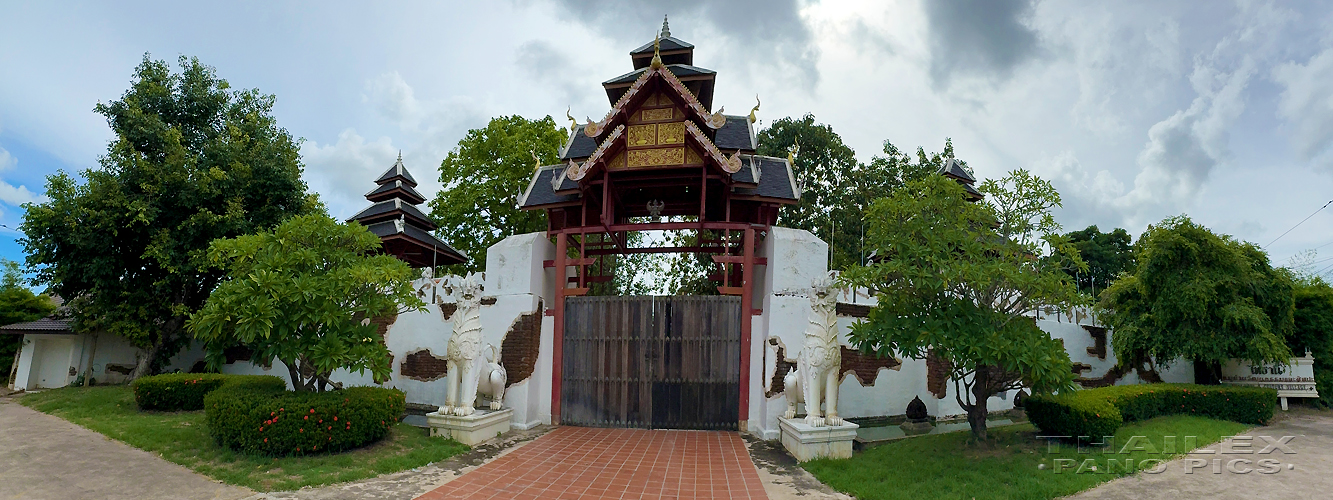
x: 586, y: 463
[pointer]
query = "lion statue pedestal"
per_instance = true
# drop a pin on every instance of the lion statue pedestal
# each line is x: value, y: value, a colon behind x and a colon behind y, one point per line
x: 468, y: 375
x: 821, y: 433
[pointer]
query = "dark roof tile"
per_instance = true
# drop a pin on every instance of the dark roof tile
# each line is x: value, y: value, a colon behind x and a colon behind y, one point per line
x: 735, y: 134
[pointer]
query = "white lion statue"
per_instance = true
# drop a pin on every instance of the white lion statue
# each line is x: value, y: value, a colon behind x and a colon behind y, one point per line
x: 463, y: 353
x: 815, y: 378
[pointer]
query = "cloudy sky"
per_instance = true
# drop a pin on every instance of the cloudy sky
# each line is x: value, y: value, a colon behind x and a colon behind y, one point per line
x: 1135, y: 110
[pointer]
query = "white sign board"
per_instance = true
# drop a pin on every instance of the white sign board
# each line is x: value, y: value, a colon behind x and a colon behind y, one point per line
x: 1293, y: 380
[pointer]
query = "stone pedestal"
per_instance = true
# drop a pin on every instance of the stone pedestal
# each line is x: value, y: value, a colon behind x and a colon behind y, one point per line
x: 916, y: 428
x: 472, y: 429
x: 808, y: 443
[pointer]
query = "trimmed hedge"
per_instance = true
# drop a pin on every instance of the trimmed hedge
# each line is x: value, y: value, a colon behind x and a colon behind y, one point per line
x: 186, y: 391
x: 268, y: 422
x: 1093, y: 413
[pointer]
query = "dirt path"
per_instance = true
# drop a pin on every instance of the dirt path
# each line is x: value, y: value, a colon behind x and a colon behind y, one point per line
x: 46, y: 457
x: 1305, y: 472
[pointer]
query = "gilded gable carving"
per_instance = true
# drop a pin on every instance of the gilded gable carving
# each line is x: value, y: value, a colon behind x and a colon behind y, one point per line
x: 656, y: 157
x: 642, y: 135
x: 671, y: 133
x: 692, y: 157
x: 650, y: 115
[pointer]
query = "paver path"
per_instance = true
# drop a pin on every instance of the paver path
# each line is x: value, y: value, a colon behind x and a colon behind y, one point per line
x: 1310, y: 474
x: 46, y: 457
x: 586, y: 463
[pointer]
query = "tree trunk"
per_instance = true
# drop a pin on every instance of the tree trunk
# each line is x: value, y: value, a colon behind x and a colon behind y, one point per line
x: 294, y: 371
x: 1207, y: 372
x: 92, y: 356
x: 976, y: 418
x: 145, y: 364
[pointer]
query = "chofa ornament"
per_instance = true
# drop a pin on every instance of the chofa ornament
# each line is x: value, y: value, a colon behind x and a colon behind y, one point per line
x: 467, y: 372
x: 815, y: 378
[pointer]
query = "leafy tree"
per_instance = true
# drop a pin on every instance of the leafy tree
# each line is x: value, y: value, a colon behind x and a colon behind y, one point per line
x: 955, y: 279
x: 1106, y: 254
x: 836, y: 189
x: 304, y: 293
x: 1312, y: 331
x: 1200, y: 296
x: 192, y: 160
x: 17, y: 305
x: 483, y: 177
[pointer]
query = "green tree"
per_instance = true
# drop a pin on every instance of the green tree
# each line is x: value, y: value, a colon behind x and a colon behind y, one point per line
x: 1199, y: 296
x: 1106, y: 254
x: 1312, y: 331
x: 836, y: 189
x: 483, y: 177
x: 305, y: 293
x: 192, y: 160
x: 955, y: 279
x: 17, y: 305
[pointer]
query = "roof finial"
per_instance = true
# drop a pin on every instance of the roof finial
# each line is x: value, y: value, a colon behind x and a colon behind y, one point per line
x: 573, y: 124
x: 657, y: 53
x: 754, y: 118
x: 666, y: 28
x: 400, y: 156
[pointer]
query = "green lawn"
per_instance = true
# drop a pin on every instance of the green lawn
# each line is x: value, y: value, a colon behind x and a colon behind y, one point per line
x: 946, y: 466
x: 183, y: 438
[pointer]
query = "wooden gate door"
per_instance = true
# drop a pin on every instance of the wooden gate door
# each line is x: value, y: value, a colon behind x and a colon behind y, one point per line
x: 653, y: 362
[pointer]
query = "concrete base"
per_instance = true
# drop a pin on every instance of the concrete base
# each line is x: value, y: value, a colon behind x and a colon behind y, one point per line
x: 472, y: 429
x: 914, y: 428
x: 808, y: 443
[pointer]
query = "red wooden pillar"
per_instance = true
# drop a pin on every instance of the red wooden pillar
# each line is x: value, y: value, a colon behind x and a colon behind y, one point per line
x: 558, y: 349
x: 747, y: 292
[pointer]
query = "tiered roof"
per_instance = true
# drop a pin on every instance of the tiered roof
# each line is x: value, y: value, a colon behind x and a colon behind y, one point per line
x: 404, y: 230
x: 662, y: 126
x: 957, y: 170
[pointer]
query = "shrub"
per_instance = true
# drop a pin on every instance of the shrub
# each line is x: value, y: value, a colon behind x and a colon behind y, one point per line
x: 1093, y: 413
x: 186, y: 391
x: 268, y: 422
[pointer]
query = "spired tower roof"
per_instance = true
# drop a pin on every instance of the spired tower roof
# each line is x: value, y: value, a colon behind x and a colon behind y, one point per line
x: 662, y: 150
x: 957, y: 170
x: 403, y: 229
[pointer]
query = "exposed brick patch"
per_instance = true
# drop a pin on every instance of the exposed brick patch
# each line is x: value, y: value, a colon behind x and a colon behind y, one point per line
x: 852, y: 310
x: 119, y: 368
x: 865, y: 366
x: 448, y: 309
x: 1099, y: 341
x: 383, y: 323
x: 779, y: 384
x: 521, y: 345
x: 1079, y: 368
x: 424, y: 366
x: 488, y: 301
x: 937, y: 375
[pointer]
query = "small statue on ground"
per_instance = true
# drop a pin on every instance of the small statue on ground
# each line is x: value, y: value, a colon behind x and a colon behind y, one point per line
x: 815, y: 379
x: 462, y: 354
x: 493, y: 378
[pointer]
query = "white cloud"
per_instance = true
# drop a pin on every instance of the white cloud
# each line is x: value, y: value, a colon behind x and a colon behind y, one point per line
x: 344, y: 171
x: 1306, y: 104
x: 8, y: 193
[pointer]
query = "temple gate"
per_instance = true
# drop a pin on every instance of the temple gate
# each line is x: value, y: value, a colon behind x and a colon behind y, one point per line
x: 661, y: 152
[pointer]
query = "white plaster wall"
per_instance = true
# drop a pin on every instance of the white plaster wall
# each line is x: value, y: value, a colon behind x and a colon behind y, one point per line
x: 518, y: 281
x: 23, y: 378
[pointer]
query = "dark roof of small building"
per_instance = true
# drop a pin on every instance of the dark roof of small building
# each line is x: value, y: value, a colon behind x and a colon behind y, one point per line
x: 579, y: 145
x: 381, y: 192
x: 735, y: 134
x: 424, y: 238
x: 955, y: 168
x: 397, y: 171
x: 55, y: 324
x: 541, y: 191
x: 387, y: 206
x: 680, y: 70
x: 666, y: 43
x: 776, y: 179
